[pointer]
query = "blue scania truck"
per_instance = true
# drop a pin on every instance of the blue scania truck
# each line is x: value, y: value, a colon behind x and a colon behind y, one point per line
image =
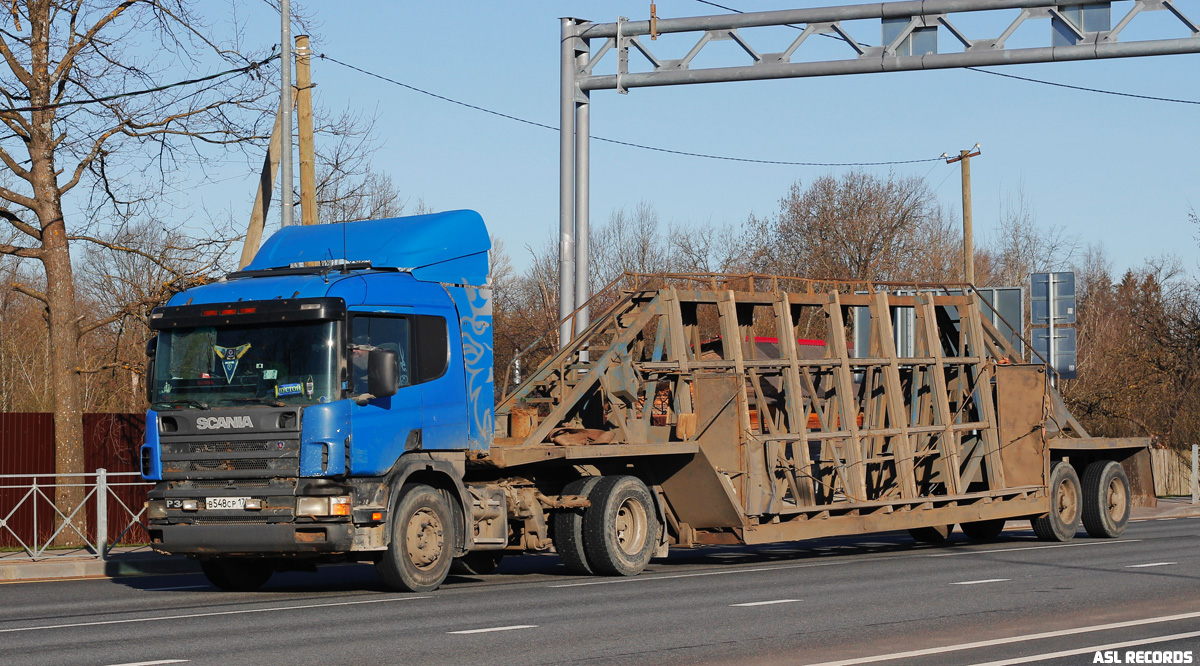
x: 335, y: 401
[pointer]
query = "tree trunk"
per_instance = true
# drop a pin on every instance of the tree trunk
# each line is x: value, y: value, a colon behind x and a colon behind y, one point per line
x: 60, y: 286
x: 68, y: 401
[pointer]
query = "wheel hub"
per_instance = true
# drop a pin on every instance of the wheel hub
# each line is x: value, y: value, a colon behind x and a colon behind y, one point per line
x: 424, y: 538
x: 1116, y: 499
x: 1068, y: 501
x: 631, y: 527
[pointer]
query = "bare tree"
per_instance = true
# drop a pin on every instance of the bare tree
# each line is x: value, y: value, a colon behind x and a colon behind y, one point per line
x: 707, y: 248
x: 630, y: 242
x: 73, y: 67
x: 1023, y: 246
x: 857, y: 226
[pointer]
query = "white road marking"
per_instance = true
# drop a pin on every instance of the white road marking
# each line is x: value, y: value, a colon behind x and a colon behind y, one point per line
x: 645, y: 579
x: 153, y: 663
x: 491, y: 629
x: 181, y: 587
x: 985, y: 580
x: 1057, y: 545
x: 1151, y: 564
x: 765, y: 603
x: 1011, y: 639
x: 212, y: 614
x: 826, y: 563
x: 1090, y: 650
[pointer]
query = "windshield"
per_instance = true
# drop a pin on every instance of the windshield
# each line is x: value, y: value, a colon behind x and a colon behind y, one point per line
x: 272, y: 364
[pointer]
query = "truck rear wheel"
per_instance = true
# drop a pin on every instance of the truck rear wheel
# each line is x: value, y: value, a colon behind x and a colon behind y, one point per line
x: 937, y: 534
x: 983, y: 530
x: 568, y: 528
x: 1062, y: 522
x: 419, y: 556
x: 1106, y: 499
x: 621, y: 526
x: 237, y: 574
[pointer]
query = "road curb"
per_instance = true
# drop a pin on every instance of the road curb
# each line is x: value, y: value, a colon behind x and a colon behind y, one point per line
x: 92, y: 568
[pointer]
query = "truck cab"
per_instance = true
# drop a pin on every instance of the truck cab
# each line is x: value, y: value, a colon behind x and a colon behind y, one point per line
x: 289, y: 399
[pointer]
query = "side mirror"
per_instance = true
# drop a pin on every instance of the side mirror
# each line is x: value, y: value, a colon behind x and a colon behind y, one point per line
x: 383, y: 372
x: 151, y: 349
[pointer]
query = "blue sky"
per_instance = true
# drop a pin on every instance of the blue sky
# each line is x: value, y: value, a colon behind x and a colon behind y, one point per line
x: 1115, y: 171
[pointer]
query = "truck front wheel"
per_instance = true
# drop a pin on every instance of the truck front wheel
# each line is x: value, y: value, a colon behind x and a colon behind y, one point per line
x: 1062, y: 522
x: 237, y: 574
x: 621, y: 527
x: 1106, y: 499
x: 420, y: 553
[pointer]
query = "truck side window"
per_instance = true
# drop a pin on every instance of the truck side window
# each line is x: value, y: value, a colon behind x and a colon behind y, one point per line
x: 383, y: 332
x: 431, y: 346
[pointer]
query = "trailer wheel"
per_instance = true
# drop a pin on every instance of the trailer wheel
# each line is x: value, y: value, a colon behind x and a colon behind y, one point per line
x: 237, y: 574
x: 419, y: 555
x: 1062, y: 522
x: 983, y: 530
x: 568, y: 528
x: 477, y: 563
x: 620, y: 527
x: 937, y: 534
x: 1106, y: 499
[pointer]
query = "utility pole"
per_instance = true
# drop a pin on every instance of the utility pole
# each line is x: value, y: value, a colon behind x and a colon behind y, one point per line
x: 308, y: 176
x: 964, y: 159
x: 285, y: 96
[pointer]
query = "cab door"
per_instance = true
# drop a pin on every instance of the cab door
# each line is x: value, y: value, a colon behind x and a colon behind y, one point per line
x: 384, y: 426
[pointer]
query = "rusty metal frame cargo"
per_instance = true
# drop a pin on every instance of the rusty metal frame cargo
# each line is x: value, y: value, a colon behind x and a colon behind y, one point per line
x: 752, y: 448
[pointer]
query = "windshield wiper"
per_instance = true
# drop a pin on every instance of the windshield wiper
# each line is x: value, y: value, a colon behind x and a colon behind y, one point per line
x: 190, y: 403
x: 263, y: 400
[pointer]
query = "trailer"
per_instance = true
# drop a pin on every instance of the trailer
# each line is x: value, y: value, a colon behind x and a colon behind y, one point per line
x: 696, y: 410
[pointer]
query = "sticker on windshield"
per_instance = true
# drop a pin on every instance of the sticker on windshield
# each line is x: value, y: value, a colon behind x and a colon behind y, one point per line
x: 288, y: 389
x: 229, y: 358
x: 308, y: 387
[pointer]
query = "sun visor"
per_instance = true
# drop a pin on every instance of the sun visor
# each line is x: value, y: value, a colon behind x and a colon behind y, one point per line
x: 442, y: 247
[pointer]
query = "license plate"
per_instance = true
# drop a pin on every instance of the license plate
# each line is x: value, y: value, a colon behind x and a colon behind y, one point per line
x: 225, y: 503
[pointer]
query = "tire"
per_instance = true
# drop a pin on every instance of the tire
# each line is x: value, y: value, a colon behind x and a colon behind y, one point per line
x: 568, y: 528
x: 1106, y: 499
x: 420, y: 553
x: 931, y: 534
x: 983, y: 530
x: 621, y: 527
x: 478, y: 563
x: 1066, y: 498
x: 237, y: 574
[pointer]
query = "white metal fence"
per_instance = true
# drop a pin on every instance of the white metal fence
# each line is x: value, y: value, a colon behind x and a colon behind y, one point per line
x: 27, y: 500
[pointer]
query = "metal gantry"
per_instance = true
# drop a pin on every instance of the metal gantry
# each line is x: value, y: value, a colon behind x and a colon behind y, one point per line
x: 1068, y: 36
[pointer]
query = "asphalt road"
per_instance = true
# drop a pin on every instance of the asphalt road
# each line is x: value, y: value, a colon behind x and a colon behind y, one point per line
x: 878, y: 599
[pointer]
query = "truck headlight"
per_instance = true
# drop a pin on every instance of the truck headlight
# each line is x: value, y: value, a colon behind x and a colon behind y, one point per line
x: 156, y: 509
x: 323, y: 506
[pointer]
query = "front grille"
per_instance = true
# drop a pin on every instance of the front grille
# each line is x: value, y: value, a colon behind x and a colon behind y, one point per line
x: 235, y: 459
x: 229, y: 447
x: 220, y: 465
x: 202, y: 484
x: 231, y: 520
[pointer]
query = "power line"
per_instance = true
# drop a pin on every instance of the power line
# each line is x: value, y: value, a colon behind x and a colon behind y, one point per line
x: 988, y: 71
x: 93, y: 100
x: 1084, y: 89
x: 618, y: 142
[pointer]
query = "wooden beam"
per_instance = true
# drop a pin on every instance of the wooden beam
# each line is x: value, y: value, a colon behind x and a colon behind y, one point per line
x: 308, y: 176
x: 262, y: 198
